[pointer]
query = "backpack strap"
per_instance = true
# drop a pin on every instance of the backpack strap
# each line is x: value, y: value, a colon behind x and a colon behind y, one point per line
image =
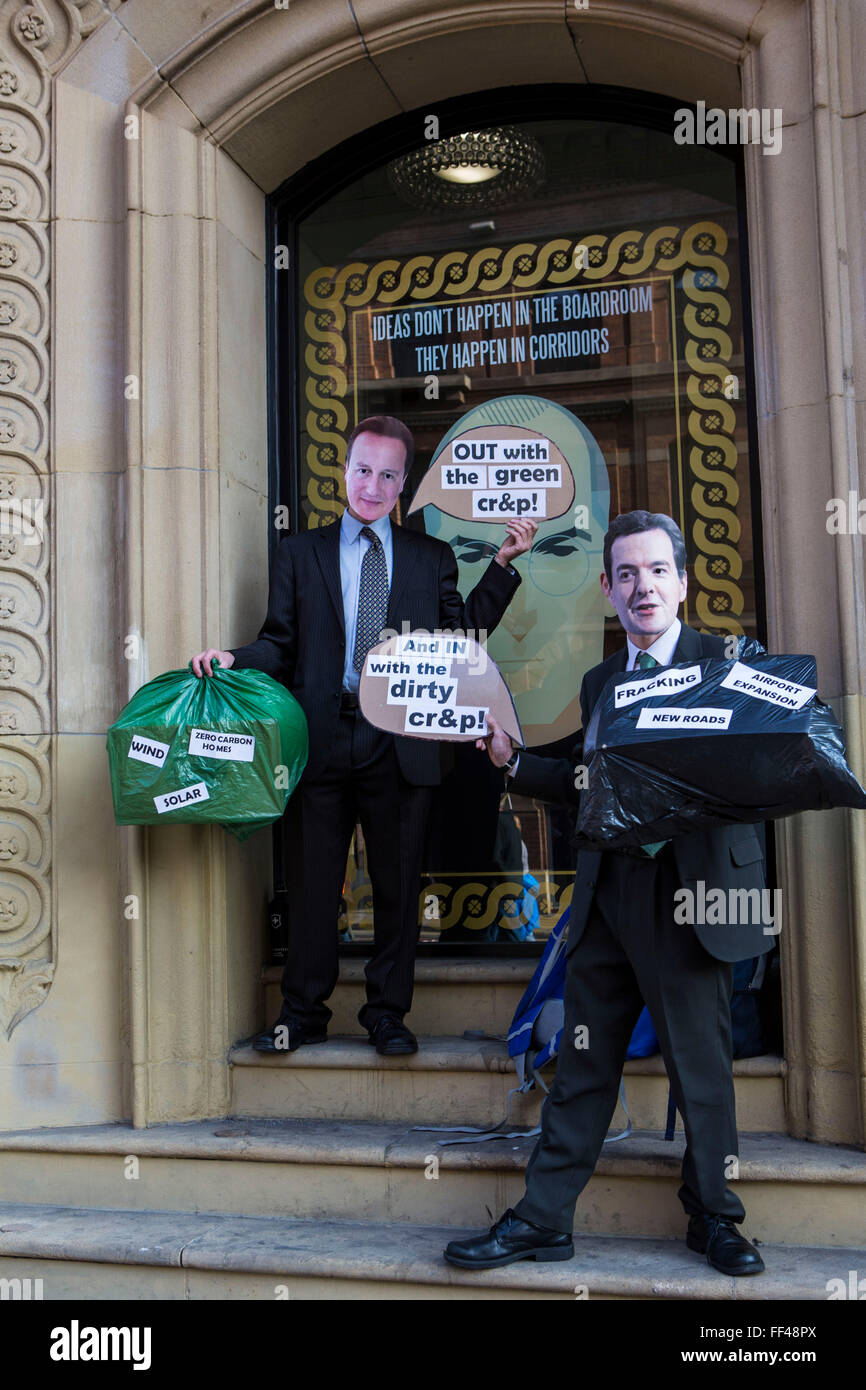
x: 624, y: 1133
x: 670, y: 1122
x: 757, y: 979
x: 480, y: 1136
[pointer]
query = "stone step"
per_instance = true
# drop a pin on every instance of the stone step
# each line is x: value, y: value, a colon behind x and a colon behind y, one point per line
x: 451, y: 994
x: 794, y: 1192
x: 85, y: 1254
x: 453, y: 1080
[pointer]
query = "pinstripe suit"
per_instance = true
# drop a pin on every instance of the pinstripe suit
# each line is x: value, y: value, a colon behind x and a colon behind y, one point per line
x: 625, y: 948
x: 353, y: 769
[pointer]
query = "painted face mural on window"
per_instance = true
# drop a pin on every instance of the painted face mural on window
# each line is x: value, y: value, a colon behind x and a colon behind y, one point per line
x: 553, y: 629
x: 608, y: 301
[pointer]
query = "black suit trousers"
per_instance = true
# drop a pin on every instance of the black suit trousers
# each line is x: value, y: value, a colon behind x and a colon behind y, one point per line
x: 632, y: 951
x: 362, y: 781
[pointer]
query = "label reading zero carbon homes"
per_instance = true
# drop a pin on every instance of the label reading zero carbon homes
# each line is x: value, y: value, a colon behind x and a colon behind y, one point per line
x: 148, y: 750
x: 184, y: 796
x: 211, y: 743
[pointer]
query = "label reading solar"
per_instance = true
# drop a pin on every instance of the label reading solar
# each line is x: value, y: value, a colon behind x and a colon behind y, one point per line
x: 184, y: 796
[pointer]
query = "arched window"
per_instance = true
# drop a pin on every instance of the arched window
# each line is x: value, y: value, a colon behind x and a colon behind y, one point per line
x: 555, y: 244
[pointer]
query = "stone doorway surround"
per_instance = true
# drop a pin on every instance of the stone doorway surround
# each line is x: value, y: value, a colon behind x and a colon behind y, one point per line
x: 138, y: 139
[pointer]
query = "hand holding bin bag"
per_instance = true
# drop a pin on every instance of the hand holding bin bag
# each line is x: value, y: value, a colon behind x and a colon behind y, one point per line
x: 228, y: 748
x: 707, y: 743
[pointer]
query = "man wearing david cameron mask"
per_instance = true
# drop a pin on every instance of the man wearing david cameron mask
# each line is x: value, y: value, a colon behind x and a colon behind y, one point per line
x: 333, y: 590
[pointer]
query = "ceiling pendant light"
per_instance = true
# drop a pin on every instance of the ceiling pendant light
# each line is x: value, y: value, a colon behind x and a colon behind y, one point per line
x: 476, y: 169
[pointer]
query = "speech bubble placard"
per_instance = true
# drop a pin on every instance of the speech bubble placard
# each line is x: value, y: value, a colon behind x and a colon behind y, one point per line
x: 435, y: 685
x: 497, y: 473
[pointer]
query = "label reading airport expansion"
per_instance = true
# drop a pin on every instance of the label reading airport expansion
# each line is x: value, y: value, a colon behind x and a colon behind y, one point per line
x: 763, y: 686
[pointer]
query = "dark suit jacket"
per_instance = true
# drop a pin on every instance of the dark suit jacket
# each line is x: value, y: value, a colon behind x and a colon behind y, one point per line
x: 727, y: 857
x: 302, y: 642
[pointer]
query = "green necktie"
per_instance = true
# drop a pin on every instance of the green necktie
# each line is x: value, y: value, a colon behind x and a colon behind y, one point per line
x: 646, y: 663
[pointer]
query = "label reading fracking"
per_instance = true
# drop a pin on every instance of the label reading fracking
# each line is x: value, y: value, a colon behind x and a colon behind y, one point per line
x: 668, y: 683
x: 763, y: 686
x: 184, y: 796
x: 148, y: 750
x: 210, y: 743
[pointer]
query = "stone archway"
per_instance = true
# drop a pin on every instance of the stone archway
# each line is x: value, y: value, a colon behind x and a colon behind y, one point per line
x: 157, y: 346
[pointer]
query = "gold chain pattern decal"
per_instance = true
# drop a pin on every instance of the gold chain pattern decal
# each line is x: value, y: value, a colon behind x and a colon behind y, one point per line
x: 697, y: 251
x: 478, y: 904
x: 474, y: 903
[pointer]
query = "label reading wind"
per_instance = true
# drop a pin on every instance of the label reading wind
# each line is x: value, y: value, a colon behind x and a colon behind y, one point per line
x: 184, y: 796
x: 667, y: 684
x: 148, y: 750
x: 209, y: 743
x: 684, y: 718
x: 762, y: 686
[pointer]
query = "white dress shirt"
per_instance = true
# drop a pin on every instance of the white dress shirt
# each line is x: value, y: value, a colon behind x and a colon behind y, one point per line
x: 662, y: 649
x: 353, y: 548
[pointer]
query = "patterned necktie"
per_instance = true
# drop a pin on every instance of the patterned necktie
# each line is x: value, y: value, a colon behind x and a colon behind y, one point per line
x: 646, y: 663
x: 372, y: 598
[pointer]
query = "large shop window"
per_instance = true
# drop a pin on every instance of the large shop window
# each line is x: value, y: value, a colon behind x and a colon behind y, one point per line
x: 607, y: 283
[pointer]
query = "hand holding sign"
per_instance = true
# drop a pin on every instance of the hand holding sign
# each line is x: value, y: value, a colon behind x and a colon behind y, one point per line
x: 435, y: 685
x: 498, y: 743
x: 520, y: 537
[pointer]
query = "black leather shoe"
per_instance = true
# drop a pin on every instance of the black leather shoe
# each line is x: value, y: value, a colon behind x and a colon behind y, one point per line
x: 726, y: 1250
x: 509, y: 1240
x: 287, y: 1035
x: 391, y: 1038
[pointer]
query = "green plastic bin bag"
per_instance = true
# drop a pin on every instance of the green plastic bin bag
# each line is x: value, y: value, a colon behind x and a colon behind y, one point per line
x: 229, y: 748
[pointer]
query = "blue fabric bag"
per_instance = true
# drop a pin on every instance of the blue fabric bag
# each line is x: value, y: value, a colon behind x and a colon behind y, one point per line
x: 538, y: 1020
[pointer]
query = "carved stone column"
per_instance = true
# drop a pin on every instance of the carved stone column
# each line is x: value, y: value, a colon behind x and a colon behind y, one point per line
x: 35, y: 39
